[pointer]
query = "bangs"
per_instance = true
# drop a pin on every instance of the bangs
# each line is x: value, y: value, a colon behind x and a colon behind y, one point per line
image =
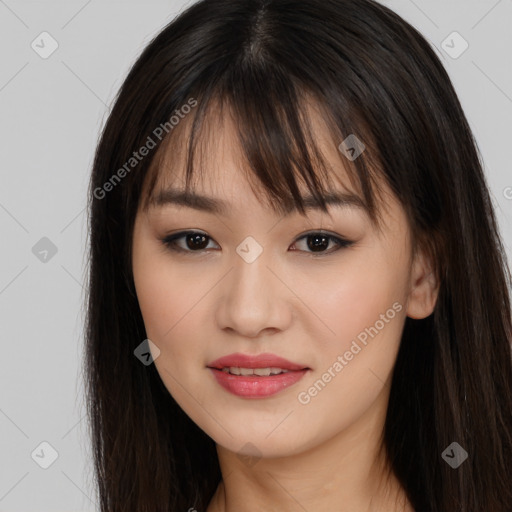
x: 278, y: 126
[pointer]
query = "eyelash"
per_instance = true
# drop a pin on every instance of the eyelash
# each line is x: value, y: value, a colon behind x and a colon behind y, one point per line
x: 170, y: 242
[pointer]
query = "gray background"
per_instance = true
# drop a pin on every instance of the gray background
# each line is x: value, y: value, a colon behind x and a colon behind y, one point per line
x: 51, y: 113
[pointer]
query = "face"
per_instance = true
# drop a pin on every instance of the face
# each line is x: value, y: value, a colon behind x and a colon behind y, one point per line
x: 327, y: 292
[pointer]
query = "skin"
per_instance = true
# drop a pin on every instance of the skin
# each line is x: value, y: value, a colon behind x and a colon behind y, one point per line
x: 323, y: 455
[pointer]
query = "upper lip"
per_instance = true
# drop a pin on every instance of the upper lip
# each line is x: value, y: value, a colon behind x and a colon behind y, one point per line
x: 266, y: 360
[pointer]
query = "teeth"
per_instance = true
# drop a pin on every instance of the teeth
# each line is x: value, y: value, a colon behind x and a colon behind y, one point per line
x: 262, y: 372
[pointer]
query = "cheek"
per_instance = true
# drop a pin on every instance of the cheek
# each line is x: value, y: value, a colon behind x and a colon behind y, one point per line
x: 173, y: 302
x: 161, y: 293
x: 364, y: 307
x: 363, y: 289
x: 155, y: 297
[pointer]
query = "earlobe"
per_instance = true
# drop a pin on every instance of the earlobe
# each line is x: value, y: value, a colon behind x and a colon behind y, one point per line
x: 423, y: 291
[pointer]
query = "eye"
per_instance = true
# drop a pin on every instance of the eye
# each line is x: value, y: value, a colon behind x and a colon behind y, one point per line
x: 197, y: 242
x: 317, y: 242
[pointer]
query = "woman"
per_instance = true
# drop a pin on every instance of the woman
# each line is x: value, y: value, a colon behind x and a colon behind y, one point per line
x: 298, y: 294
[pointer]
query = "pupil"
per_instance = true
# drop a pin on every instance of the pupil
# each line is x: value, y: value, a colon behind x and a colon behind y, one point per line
x: 315, y: 246
x: 197, y: 241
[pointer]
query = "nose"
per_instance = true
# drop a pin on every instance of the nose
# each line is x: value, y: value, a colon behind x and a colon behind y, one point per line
x: 254, y: 301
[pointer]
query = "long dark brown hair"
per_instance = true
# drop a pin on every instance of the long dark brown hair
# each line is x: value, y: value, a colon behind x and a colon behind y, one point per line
x: 373, y: 75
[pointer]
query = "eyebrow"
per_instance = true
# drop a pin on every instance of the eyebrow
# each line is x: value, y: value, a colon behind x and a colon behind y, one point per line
x: 207, y: 204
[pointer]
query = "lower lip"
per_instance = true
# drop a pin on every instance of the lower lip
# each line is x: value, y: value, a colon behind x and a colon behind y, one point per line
x: 250, y: 386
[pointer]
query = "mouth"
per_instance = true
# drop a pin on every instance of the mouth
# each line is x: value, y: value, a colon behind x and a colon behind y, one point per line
x: 256, y: 376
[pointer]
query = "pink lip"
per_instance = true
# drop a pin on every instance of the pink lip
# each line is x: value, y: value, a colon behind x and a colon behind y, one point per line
x: 254, y: 386
x: 260, y: 361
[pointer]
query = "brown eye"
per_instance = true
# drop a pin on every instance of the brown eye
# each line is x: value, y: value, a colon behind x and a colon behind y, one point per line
x: 319, y: 243
x: 193, y: 241
x: 196, y: 241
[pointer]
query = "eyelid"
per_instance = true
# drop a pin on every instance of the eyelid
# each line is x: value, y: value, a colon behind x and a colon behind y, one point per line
x: 169, y: 241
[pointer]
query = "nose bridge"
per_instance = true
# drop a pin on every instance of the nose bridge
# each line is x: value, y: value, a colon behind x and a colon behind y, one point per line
x: 250, y: 278
x: 251, y: 299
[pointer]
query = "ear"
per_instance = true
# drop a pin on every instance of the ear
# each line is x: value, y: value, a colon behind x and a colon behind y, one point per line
x: 423, y: 290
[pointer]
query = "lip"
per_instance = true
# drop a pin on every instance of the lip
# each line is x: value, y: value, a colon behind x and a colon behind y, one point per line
x: 265, y: 360
x: 254, y: 386
x: 251, y: 386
